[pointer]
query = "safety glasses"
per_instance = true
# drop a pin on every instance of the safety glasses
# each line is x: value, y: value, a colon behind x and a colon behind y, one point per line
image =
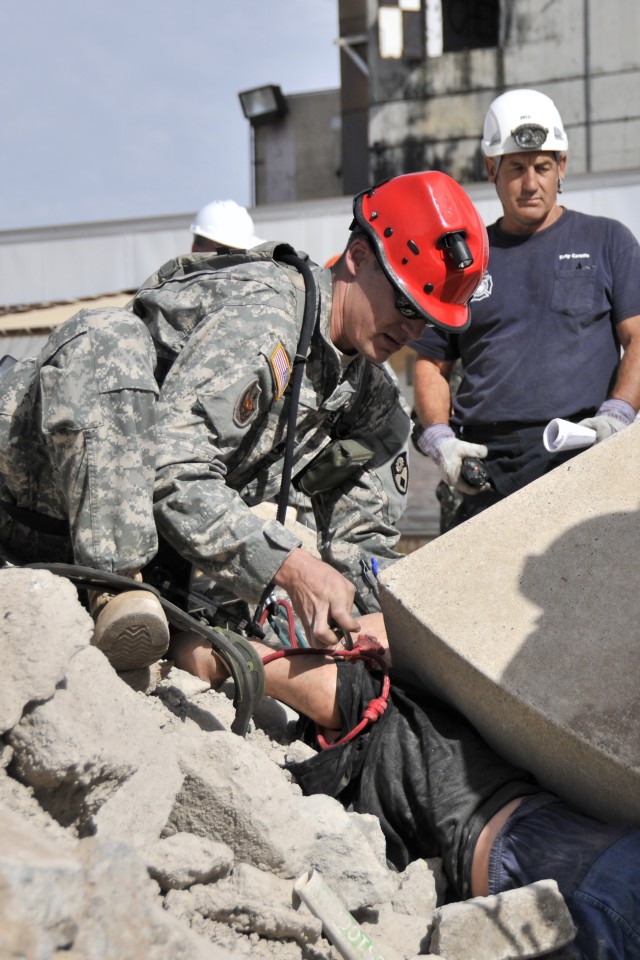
x: 406, y: 308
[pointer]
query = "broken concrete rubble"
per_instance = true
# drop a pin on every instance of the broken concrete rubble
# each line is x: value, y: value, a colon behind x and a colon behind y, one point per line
x: 37, y: 666
x: 112, y: 784
x: 179, y: 861
x: 136, y: 824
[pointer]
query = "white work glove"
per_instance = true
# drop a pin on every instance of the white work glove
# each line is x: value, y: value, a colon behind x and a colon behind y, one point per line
x: 611, y: 416
x: 441, y: 444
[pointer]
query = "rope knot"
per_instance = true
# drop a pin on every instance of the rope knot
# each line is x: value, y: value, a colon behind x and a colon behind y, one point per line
x: 375, y: 708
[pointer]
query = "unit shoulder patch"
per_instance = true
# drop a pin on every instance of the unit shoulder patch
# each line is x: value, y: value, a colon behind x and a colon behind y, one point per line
x: 247, y: 404
x: 400, y: 472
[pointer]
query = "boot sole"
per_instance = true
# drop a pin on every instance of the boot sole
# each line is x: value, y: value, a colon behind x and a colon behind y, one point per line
x: 132, y: 631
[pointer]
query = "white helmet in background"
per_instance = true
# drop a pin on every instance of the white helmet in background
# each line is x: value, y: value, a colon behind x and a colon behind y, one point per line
x: 227, y: 223
x: 522, y: 120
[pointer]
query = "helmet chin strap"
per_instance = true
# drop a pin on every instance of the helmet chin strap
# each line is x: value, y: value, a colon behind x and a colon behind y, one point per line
x: 560, y: 184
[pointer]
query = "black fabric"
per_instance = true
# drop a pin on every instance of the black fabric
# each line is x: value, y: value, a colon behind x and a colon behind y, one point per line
x: 21, y: 541
x: 517, y: 454
x: 53, y: 526
x: 421, y: 769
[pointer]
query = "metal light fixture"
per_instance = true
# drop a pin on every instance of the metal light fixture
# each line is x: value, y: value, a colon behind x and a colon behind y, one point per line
x: 263, y: 104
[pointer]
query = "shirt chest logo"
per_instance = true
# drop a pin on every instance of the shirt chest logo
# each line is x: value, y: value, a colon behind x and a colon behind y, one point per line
x: 484, y: 289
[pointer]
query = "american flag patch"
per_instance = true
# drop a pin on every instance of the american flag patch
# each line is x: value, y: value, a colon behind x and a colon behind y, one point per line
x: 281, y: 367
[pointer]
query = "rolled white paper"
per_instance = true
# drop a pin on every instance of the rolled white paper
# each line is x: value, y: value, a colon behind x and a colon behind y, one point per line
x: 563, y: 435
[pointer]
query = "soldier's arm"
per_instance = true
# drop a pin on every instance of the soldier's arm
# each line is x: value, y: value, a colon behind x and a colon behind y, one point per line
x: 217, y: 408
x: 221, y: 410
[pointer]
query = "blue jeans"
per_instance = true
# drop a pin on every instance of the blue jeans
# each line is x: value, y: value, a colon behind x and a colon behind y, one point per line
x: 596, y: 866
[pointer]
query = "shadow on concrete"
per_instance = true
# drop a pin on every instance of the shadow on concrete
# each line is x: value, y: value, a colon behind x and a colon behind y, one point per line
x: 576, y: 676
x: 583, y: 661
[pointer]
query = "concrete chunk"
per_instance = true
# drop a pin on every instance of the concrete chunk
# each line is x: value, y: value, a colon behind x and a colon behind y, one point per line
x: 96, y: 758
x: 529, y: 922
x: 43, y: 876
x: 233, y: 793
x: 123, y: 917
x: 42, y: 626
x: 255, y: 902
x: 524, y: 619
x: 179, y: 861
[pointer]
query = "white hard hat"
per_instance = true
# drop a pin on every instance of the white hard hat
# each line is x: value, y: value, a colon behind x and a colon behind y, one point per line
x: 227, y: 223
x: 522, y: 120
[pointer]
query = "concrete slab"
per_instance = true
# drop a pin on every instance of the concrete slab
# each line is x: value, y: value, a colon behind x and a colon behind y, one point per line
x: 526, y: 619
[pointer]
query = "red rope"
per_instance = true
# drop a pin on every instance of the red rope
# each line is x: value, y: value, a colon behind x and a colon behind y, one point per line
x: 367, y: 649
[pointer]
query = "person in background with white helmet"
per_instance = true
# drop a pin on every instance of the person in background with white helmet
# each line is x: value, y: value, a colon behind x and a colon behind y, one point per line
x: 223, y: 226
x: 166, y: 421
x: 560, y: 298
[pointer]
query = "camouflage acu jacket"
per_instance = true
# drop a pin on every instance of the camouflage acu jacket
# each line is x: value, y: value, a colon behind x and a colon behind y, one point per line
x: 227, y: 338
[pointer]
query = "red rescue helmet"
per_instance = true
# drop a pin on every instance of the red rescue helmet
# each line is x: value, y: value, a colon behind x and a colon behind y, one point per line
x: 429, y: 240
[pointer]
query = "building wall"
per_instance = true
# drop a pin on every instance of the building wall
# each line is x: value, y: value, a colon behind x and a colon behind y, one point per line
x: 354, y: 94
x: 299, y: 157
x: 428, y: 111
x: 415, y: 107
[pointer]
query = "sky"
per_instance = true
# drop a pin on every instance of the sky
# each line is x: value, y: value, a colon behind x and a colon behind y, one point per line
x: 116, y: 109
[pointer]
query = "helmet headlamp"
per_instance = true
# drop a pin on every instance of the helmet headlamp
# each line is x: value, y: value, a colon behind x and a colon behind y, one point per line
x: 456, y: 246
x: 530, y: 136
x: 523, y: 120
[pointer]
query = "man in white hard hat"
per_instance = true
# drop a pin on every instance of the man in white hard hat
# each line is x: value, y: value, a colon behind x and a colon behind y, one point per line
x: 560, y: 298
x: 223, y: 226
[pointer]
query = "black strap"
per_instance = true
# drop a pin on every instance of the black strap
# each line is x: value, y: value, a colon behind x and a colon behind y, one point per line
x: 311, y: 307
x: 37, y: 521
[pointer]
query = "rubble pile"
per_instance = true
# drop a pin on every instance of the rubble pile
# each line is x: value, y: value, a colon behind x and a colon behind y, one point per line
x: 134, y: 824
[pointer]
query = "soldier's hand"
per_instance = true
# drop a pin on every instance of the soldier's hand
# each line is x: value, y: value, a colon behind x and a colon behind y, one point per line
x: 441, y: 444
x: 319, y: 594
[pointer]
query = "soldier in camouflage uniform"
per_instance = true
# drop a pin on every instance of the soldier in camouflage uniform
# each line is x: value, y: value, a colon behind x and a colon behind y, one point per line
x: 170, y: 417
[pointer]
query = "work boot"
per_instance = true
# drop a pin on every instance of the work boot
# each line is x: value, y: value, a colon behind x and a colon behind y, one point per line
x: 130, y: 628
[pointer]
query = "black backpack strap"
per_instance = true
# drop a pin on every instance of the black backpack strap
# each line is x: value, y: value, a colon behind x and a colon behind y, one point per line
x: 310, y: 315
